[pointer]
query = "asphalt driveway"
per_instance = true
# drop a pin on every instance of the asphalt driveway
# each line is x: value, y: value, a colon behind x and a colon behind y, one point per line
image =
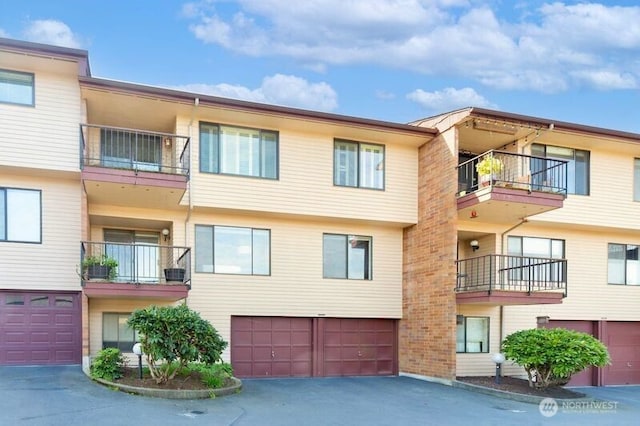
x: 65, y: 396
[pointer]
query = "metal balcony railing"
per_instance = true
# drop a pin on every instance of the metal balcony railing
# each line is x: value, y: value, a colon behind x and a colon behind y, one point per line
x: 511, y: 273
x: 130, y: 149
x: 511, y: 170
x: 135, y: 263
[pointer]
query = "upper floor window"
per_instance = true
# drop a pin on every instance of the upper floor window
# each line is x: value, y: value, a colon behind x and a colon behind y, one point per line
x: 358, y: 164
x: 16, y: 87
x: 20, y: 214
x: 636, y: 179
x: 238, y: 151
x: 577, y: 167
x: 233, y: 250
x: 624, y: 264
x: 346, y: 256
x: 530, y: 263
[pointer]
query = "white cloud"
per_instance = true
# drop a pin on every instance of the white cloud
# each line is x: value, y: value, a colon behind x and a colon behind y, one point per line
x: 50, y: 31
x: 449, y: 99
x: 3, y: 33
x: 279, y: 89
x: 548, y: 49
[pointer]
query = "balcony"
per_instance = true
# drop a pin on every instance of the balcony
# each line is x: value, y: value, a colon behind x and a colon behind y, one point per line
x: 515, y: 186
x: 511, y: 280
x: 119, y: 270
x: 134, y: 167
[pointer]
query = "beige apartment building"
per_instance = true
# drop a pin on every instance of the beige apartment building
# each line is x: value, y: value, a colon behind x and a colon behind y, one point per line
x: 317, y: 244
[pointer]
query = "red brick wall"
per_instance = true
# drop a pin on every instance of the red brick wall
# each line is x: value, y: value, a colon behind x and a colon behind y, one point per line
x: 427, y: 330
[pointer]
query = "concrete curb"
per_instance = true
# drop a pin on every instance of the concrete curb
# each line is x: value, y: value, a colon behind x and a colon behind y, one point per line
x: 175, y: 393
x: 531, y: 399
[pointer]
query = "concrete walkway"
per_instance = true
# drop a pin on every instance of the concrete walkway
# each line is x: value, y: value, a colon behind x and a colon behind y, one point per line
x: 65, y: 396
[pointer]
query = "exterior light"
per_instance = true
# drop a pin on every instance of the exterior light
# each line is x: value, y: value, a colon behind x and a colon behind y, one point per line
x: 137, y: 349
x: 475, y: 245
x: 165, y: 234
x: 498, y: 359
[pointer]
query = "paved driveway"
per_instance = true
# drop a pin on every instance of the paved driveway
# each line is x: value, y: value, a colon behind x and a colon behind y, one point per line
x: 64, y: 396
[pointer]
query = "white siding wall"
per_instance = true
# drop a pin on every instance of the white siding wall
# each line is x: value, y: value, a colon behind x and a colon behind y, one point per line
x: 45, y: 136
x: 296, y: 286
x: 51, y: 265
x: 305, y: 184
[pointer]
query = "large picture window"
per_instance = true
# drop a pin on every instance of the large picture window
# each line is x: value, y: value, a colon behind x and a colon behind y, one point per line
x: 17, y: 88
x: 529, y: 264
x: 347, y: 256
x: 20, y: 215
x: 577, y: 167
x: 472, y: 334
x: 238, y: 151
x: 233, y: 250
x: 116, y: 333
x: 358, y: 164
x: 624, y: 264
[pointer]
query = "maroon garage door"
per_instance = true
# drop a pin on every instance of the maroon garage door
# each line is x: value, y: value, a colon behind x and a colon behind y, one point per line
x: 305, y: 347
x: 40, y: 328
x: 623, y: 341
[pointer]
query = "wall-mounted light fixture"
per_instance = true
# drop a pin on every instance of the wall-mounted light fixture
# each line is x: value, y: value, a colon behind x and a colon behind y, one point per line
x: 167, y: 142
x: 165, y: 234
x: 475, y: 245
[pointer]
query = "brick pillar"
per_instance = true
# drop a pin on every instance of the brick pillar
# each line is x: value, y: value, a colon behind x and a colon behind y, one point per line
x: 427, y: 330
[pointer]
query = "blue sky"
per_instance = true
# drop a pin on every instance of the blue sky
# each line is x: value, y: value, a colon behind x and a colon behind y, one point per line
x: 395, y: 60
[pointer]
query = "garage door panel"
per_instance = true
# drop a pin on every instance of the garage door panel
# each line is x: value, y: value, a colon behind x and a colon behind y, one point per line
x: 623, y: 342
x: 281, y: 337
x: 38, y: 330
x: 585, y: 377
x: 261, y: 337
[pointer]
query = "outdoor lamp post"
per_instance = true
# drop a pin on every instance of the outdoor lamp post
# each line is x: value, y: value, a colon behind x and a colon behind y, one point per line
x: 498, y: 358
x: 137, y: 349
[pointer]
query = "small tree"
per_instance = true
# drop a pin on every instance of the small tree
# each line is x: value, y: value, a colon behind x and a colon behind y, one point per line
x: 173, y: 336
x: 551, y: 356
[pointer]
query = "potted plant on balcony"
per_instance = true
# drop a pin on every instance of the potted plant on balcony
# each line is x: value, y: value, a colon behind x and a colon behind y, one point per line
x: 174, y: 274
x: 488, y: 169
x: 100, y: 267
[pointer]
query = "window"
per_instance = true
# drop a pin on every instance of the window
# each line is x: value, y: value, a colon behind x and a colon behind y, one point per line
x: 636, y: 179
x: 533, y: 249
x: 577, y: 167
x: 137, y: 254
x: 624, y: 264
x: 123, y: 149
x: 472, y: 334
x: 346, y: 256
x: 116, y: 333
x: 238, y: 151
x: 20, y: 215
x: 16, y: 88
x: 358, y: 164
x: 231, y: 250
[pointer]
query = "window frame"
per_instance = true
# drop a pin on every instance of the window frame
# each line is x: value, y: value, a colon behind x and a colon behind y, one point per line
x: 4, y: 210
x: 218, y: 164
x: 516, y: 266
x: 535, y: 147
x: 213, y: 250
x: 359, y: 146
x: 119, y: 345
x: 33, y: 88
x: 466, y: 343
x: 626, y: 266
x: 636, y: 179
x: 368, y: 266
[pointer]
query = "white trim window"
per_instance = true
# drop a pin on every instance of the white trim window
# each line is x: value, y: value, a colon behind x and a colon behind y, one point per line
x: 472, y: 334
x: 359, y: 165
x: 624, y: 264
x: 17, y: 88
x: 20, y: 215
x: 238, y: 151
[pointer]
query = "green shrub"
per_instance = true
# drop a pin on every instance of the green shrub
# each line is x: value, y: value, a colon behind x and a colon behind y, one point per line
x: 108, y: 364
x: 172, y: 337
x: 551, y: 356
x: 213, y: 375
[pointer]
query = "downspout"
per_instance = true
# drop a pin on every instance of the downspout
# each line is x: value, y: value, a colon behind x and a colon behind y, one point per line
x: 187, y: 219
x: 502, y: 249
